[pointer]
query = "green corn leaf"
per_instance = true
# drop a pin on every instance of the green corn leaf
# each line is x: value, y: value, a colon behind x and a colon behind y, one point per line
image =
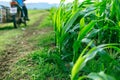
x: 70, y: 22
x: 83, y: 59
x: 100, y: 76
x: 75, y: 6
x: 93, y: 33
x: 83, y: 32
x: 74, y: 28
x: 80, y: 63
x: 82, y: 23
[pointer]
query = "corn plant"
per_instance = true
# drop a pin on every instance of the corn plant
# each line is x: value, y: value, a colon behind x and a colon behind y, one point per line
x: 76, y: 24
x: 84, y: 58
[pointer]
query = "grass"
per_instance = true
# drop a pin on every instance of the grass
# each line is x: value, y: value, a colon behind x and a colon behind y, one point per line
x: 8, y: 33
x: 36, y: 67
x: 48, y: 39
x: 7, y: 38
x: 46, y: 22
x: 41, y: 63
x: 46, y: 34
x: 35, y: 15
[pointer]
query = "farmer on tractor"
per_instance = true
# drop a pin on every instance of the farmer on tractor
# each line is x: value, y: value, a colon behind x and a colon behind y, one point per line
x: 24, y: 8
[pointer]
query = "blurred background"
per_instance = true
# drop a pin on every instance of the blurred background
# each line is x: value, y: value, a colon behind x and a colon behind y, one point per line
x: 37, y: 4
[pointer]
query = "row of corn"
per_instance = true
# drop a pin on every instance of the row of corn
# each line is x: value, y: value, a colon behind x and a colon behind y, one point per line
x: 87, y: 36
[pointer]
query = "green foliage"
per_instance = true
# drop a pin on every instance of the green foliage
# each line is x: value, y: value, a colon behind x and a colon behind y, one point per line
x: 42, y: 63
x: 47, y: 22
x: 76, y: 25
x: 39, y: 65
x: 83, y: 59
x: 6, y: 38
x: 99, y: 76
x: 81, y: 35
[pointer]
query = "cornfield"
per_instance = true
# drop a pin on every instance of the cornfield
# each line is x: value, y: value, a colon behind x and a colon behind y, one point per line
x: 87, y: 36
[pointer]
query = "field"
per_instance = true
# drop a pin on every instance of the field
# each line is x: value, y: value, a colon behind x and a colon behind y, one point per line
x: 23, y: 51
x: 76, y: 41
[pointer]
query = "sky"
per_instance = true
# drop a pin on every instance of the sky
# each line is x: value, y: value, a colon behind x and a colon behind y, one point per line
x: 48, y: 1
x: 36, y: 1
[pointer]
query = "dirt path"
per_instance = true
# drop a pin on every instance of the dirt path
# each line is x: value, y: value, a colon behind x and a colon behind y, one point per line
x: 20, y: 48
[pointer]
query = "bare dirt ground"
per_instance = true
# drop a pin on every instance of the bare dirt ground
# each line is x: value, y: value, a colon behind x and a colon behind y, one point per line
x: 20, y: 48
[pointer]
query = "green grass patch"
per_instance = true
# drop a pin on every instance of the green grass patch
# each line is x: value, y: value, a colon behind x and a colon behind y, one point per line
x: 36, y: 67
x: 8, y: 33
x: 45, y: 39
x: 47, y: 22
x: 8, y: 38
x: 35, y: 15
x: 46, y: 33
x: 42, y: 63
